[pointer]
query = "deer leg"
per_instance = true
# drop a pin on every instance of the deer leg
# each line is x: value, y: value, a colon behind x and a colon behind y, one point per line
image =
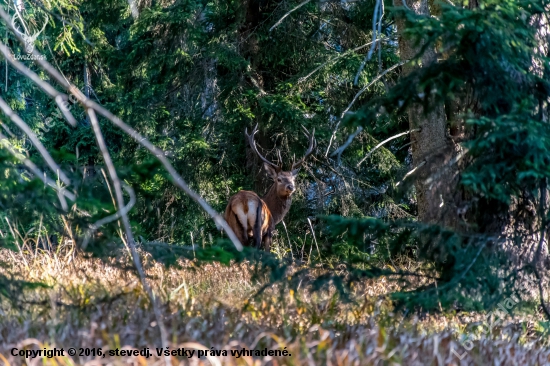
x: 236, y: 226
x: 266, y: 240
x: 241, y: 217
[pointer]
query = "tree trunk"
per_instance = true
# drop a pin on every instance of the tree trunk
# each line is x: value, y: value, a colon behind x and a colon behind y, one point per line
x: 250, y: 50
x: 133, y: 8
x: 432, y: 150
x: 87, y: 86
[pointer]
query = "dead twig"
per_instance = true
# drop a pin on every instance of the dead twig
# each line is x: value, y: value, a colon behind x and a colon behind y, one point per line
x: 382, y: 144
x: 378, y: 77
x: 34, y: 139
x: 287, y: 14
x: 158, y: 153
x: 37, y: 172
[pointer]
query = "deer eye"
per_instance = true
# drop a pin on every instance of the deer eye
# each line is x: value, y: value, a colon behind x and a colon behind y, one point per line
x: 279, y: 180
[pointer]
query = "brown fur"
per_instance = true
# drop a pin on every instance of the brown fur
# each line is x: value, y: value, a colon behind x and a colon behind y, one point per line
x: 244, y: 214
x: 241, y: 214
x: 275, y: 205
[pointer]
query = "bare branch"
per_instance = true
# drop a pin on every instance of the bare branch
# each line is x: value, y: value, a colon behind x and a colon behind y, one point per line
x: 288, y: 238
x: 411, y: 172
x: 36, y: 171
x: 287, y: 14
x: 158, y: 153
x: 378, y: 77
x: 341, y: 149
x: 314, y: 238
x: 335, y: 58
x: 126, y: 223
x: 382, y: 144
x: 445, y: 168
x: 34, y: 139
x: 368, y: 56
x: 59, y: 98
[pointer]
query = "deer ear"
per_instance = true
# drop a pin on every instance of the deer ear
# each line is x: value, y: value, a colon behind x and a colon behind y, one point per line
x: 295, y: 172
x: 272, y: 172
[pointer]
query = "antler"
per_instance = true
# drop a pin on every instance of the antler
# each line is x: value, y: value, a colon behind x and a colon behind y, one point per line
x: 310, y: 149
x: 15, y: 16
x: 29, y: 40
x: 252, y: 143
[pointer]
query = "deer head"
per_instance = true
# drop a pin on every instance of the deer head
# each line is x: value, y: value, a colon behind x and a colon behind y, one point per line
x: 284, y: 181
x: 27, y: 37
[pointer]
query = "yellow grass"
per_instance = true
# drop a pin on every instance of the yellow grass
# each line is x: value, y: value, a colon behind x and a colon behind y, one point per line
x: 101, y: 304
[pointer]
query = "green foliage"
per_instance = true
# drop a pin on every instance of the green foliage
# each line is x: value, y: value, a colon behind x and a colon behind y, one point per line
x: 489, y: 60
x: 463, y: 266
x: 192, y: 75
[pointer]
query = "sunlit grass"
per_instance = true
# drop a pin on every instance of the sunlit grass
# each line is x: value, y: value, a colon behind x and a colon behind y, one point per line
x: 89, y: 302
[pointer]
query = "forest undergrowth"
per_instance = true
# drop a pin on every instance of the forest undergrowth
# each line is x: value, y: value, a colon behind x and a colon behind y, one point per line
x: 100, y: 303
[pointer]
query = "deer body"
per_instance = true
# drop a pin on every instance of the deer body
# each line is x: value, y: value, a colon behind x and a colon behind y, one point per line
x: 249, y: 216
x: 253, y: 217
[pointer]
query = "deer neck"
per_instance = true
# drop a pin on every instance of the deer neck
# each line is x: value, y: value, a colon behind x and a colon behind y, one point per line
x: 278, y: 206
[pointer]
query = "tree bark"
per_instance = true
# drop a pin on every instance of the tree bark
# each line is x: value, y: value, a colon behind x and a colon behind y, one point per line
x: 133, y: 8
x: 250, y: 50
x: 432, y: 150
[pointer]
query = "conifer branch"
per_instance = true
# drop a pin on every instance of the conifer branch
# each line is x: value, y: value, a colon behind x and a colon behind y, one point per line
x: 340, y: 150
x: 177, y: 180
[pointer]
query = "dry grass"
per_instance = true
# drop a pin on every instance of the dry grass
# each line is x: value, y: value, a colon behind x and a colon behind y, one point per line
x: 94, y: 303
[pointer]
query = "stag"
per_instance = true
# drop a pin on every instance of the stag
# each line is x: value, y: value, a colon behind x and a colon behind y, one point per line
x: 253, y: 217
x: 27, y: 37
